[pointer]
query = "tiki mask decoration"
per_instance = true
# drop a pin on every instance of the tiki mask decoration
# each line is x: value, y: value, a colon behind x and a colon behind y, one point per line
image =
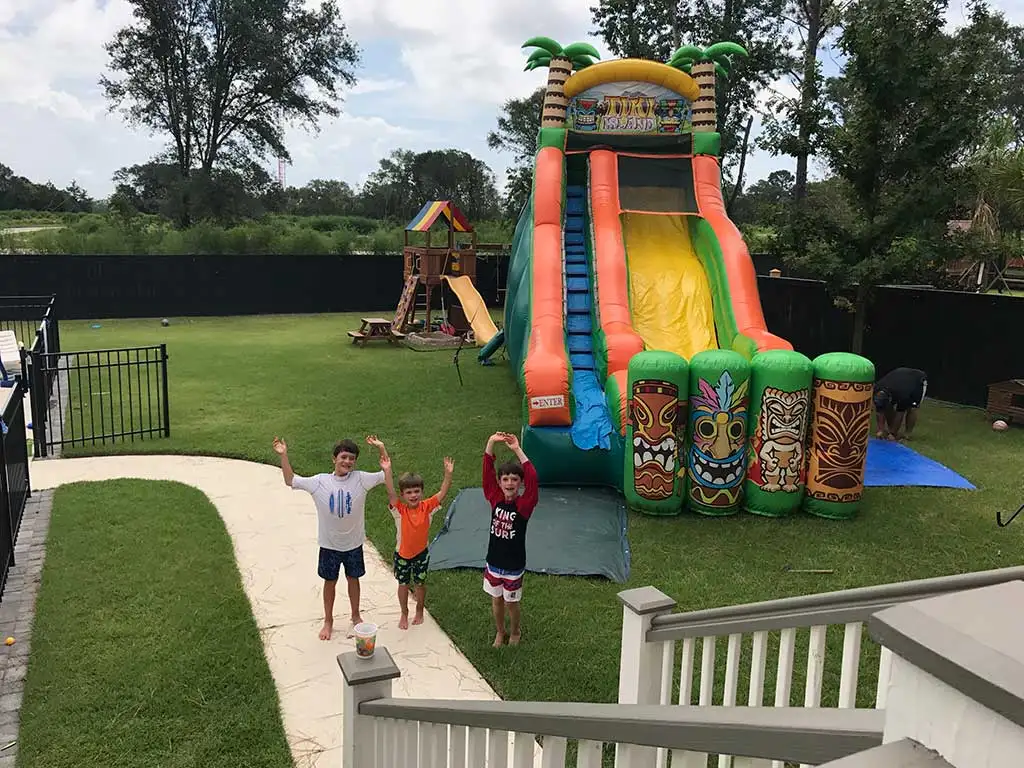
x: 779, y: 440
x: 653, y: 410
x: 584, y: 114
x: 842, y: 418
x: 718, y: 429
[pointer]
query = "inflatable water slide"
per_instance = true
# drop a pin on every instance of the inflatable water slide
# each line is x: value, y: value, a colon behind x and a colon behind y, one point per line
x: 634, y: 324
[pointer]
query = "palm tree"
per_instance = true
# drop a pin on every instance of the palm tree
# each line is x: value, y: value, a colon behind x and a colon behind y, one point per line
x: 704, y: 66
x: 560, y: 63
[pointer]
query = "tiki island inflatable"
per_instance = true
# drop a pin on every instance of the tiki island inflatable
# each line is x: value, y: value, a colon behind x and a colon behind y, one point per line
x: 633, y: 318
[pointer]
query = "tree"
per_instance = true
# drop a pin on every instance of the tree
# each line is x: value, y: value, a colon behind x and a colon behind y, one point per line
x: 219, y: 78
x: 517, y: 133
x: 517, y: 127
x: 225, y: 195
x: 793, y: 123
x: 19, y: 193
x: 560, y: 63
x: 405, y: 180
x: 638, y: 29
x: 766, y: 202
x: 908, y: 102
x: 323, y: 197
x: 518, y: 187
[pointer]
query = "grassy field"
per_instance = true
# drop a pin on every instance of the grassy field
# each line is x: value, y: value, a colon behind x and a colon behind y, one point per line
x: 144, y: 650
x: 235, y: 383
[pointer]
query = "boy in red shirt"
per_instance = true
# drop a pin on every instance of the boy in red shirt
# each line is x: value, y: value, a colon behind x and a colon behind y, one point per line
x: 506, y: 549
x: 412, y: 514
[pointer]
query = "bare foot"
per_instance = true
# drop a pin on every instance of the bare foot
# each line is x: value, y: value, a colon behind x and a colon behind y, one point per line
x: 418, y: 618
x: 513, y: 639
x: 352, y: 626
x: 880, y: 435
x: 403, y: 623
x: 499, y: 640
x: 325, y: 632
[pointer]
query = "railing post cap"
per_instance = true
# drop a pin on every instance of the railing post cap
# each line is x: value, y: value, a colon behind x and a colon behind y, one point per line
x: 646, y: 600
x: 985, y: 662
x: 377, y: 668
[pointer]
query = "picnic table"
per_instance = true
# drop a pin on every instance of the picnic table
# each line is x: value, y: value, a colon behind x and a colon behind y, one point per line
x: 375, y: 328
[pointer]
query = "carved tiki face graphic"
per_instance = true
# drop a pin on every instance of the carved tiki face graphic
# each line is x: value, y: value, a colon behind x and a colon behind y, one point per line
x: 783, y: 415
x: 840, y: 445
x: 718, y: 423
x: 585, y: 114
x: 653, y: 409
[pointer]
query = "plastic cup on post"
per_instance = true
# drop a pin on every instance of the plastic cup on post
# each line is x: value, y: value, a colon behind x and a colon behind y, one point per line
x: 366, y: 639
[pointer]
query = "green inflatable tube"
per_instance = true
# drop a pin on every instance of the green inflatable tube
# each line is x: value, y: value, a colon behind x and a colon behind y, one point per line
x: 717, y: 436
x: 840, y: 428
x: 780, y: 410
x: 658, y: 382
x: 492, y: 346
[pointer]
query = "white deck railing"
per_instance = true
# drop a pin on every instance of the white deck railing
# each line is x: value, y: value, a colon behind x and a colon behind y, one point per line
x: 788, y: 640
x: 386, y: 732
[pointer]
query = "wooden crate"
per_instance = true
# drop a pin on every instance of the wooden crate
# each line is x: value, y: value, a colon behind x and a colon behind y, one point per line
x: 1006, y: 401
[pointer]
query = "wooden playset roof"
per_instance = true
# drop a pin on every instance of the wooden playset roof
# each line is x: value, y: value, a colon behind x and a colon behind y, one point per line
x: 428, y: 214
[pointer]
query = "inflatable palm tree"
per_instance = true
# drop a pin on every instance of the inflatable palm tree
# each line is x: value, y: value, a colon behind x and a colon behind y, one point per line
x: 704, y: 65
x: 560, y: 63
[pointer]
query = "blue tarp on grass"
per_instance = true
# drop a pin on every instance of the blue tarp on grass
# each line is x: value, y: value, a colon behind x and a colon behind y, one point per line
x: 892, y: 463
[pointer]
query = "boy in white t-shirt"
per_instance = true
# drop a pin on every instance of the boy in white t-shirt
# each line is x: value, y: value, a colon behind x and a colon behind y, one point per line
x: 340, y: 498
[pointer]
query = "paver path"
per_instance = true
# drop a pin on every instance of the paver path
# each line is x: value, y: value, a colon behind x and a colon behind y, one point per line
x: 274, y: 534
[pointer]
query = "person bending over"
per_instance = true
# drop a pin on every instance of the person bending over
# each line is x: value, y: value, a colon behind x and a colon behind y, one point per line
x: 898, y: 396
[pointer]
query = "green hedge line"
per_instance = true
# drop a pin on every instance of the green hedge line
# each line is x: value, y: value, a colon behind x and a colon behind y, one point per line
x: 96, y: 233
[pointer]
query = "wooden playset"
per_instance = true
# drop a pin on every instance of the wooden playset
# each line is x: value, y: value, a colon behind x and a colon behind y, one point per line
x: 429, y: 268
x: 431, y: 264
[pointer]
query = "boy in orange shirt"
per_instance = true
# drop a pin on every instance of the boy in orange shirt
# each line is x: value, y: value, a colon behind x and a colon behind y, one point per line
x: 412, y: 515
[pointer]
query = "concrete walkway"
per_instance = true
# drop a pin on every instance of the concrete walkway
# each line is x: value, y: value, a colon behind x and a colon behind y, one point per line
x: 274, y: 534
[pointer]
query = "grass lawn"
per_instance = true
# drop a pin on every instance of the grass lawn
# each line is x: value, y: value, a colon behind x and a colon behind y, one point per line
x: 144, y: 649
x: 235, y: 383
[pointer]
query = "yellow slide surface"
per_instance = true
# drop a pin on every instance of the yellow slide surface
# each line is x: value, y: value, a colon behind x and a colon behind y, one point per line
x: 671, y: 298
x: 474, y: 308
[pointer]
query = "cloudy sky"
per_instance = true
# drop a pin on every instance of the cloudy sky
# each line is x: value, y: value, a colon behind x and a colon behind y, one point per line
x: 433, y: 74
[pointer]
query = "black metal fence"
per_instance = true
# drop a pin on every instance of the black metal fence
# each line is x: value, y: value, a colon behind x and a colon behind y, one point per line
x: 33, y: 320
x: 99, y: 396
x: 14, y: 478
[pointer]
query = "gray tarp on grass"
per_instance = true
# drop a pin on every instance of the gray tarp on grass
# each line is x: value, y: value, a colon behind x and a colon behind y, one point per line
x: 573, y: 532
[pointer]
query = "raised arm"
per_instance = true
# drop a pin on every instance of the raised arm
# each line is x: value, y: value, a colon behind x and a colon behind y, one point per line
x: 385, y: 465
x: 377, y: 443
x: 531, y: 491
x: 281, y: 449
x: 446, y: 484
x: 492, y: 491
x: 389, y: 481
x: 513, y: 443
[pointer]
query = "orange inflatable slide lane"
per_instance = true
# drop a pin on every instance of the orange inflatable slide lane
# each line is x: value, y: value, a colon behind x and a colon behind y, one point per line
x: 546, y: 370
x: 739, y: 267
x: 611, y: 275
x: 621, y: 341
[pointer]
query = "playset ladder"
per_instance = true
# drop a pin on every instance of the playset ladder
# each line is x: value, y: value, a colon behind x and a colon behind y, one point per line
x: 406, y: 304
